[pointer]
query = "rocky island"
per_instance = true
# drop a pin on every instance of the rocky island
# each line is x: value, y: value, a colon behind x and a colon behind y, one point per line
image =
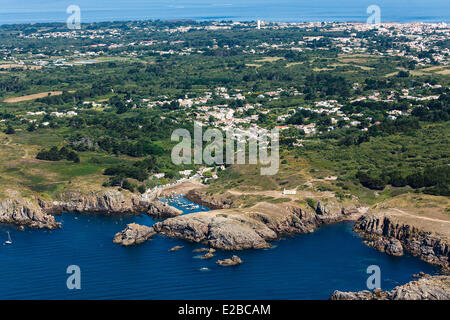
x: 233, y: 261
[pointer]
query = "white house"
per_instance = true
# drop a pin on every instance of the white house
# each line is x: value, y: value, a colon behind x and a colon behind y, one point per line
x: 289, y: 192
x: 185, y: 172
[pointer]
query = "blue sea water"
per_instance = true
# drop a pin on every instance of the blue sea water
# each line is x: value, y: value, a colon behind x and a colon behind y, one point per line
x: 308, y: 266
x: 26, y: 11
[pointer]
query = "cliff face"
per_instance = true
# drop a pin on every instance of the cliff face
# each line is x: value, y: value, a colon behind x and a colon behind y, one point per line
x: 109, y: 202
x: 334, y: 212
x: 426, y: 288
x: 25, y: 213
x: 386, y: 235
x: 38, y: 214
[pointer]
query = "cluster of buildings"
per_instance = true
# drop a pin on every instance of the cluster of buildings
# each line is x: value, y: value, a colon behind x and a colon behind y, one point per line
x: 203, y: 173
x: 410, y: 40
x: 235, y: 113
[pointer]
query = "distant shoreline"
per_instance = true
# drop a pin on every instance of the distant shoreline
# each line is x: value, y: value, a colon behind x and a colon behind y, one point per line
x: 213, y: 19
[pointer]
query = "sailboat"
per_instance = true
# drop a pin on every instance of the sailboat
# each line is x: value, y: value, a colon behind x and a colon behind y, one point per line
x: 9, y: 239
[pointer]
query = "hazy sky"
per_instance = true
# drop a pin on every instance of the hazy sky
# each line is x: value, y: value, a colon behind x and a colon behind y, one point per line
x: 56, y: 5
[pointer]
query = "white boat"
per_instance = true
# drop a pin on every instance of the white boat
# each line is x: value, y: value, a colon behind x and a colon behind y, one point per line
x: 9, y: 239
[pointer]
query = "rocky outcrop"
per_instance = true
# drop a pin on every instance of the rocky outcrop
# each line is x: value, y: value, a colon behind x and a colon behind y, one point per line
x: 207, y: 256
x: 385, y: 234
x: 211, y: 202
x: 202, y: 250
x: 252, y: 228
x: 426, y: 288
x: 230, y: 231
x: 110, y: 201
x: 335, y: 212
x: 134, y: 234
x: 218, y: 232
x: 234, y: 261
x: 392, y: 247
x: 160, y: 210
x: 26, y: 213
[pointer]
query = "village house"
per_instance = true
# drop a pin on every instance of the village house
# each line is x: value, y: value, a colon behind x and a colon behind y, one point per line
x: 185, y: 172
x: 289, y: 192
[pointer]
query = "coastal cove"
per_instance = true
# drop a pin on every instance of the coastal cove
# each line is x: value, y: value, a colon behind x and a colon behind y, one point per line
x: 309, y: 266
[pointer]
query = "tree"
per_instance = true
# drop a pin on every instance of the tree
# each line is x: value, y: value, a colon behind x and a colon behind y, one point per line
x: 142, y: 189
x: 73, y: 156
x: 207, y: 174
x: 128, y: 185
x: 10, y: 130
x: 370, y: 181
x: 403, y: 74
x: 31, y: 127
x: 415, y: 180
x: 396, y: 179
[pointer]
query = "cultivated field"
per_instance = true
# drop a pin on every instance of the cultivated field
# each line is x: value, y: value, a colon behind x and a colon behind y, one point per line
x: 19, y: 66
x: 33, y: 96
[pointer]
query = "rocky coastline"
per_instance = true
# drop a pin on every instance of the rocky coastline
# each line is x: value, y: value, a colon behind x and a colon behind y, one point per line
x: 109, y: 202
x: 39, y: 213
x: 26, y: 213
x: 255, y: 227
x: 229, y: 228
x: 387, y: 235
x: 425, y: 288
